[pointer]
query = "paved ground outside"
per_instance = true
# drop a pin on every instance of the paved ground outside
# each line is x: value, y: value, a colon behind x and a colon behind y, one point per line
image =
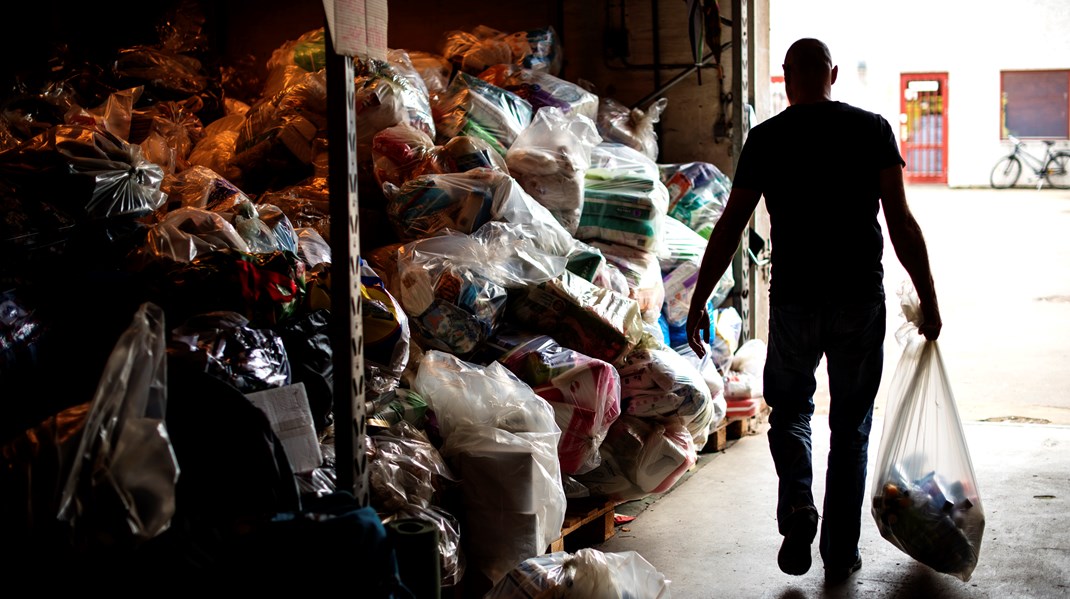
x: 1001, y: 263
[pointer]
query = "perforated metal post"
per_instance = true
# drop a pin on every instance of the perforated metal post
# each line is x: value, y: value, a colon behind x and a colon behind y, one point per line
x: 742, y: 54
x: 347, y: 332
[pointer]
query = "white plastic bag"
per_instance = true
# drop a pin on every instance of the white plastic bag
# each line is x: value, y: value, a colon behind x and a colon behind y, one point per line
x: 925, y: 497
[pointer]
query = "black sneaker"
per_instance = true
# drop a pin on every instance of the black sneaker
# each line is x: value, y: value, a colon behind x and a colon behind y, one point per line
x: 794, y: 556
x: 841, y: 574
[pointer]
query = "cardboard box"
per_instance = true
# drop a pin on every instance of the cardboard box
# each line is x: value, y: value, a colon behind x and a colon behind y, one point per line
x: 291, y: 418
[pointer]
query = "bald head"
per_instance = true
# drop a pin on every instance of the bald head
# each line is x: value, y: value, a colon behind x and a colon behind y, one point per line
x: 808, y: 71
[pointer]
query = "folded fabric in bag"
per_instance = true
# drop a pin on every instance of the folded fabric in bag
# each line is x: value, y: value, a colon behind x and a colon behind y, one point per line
x: 584, y: 393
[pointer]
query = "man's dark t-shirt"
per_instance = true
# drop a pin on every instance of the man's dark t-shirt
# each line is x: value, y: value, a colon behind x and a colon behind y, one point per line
x: 818, y: 165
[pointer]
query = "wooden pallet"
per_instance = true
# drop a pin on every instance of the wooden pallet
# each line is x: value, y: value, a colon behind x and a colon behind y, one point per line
x: 717, y: 439
x: 587, y: 523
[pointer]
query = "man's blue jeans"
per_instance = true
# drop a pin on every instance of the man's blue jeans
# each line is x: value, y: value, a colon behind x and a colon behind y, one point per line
x: 852, y: 340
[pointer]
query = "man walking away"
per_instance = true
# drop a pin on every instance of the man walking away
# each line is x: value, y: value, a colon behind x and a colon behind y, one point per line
x: 825, y: 168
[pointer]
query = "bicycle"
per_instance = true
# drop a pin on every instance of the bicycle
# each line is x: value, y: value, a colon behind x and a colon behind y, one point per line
x: 1053, y: 167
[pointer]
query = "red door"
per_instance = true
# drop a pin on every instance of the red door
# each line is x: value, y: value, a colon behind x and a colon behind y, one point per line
x: 923, y: 126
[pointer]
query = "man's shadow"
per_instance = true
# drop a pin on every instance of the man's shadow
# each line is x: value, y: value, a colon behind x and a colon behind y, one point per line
x: 917, y: 580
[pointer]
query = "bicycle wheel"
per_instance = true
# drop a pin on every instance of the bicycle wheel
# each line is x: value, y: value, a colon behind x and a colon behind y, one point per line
x: 1057, y: 171
x: 1006, y: 172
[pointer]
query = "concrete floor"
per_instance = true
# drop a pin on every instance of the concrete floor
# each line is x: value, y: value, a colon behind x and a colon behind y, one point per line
x: 714, y: 535
x: 1000, y: 260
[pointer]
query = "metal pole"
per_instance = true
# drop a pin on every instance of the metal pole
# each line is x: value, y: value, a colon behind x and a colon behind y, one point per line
x: 347, y: 332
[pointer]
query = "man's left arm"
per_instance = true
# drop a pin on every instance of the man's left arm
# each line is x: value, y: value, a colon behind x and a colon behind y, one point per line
x: 724, y: 240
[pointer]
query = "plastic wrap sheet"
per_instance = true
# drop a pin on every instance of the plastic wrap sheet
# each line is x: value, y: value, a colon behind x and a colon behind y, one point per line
x: 641, y: 457
x: 264, y: 227
x: 223, y: 345
x: 550, y: 158
x: 401, y: 62
x: 541, y: 90
x: 632, y: 127
x: 293, y: 59
x: 465, y: 394
x: 587, y: 573
x: 87, y: 171
x: 642, y: 273
x: 926, y: 500
x: 176, y: 128
x: 713, y: 377
x: 513, y: 496
x: 312, y: 248
x: 463, y: 202
x: 306, y: 205
x: 594, y: 321
x: 471, y: 106
x: 744, y: 377
x: 124, y: 477
x: 584, y: 393
x: 433, y: 68
x: 698, y: 192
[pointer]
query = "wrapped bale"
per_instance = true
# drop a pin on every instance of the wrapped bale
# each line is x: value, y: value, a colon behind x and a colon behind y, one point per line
x: 659, y: 383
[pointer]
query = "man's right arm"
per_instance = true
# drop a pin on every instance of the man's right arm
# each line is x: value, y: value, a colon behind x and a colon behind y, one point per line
x: 909, y: 245
x: 724, y: 240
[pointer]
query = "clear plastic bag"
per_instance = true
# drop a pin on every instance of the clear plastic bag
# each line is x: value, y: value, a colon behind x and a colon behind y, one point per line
x: 586, y: 574
x: 186, y: 233
x: 631, y: 127
x: 124, y: 477
x: 584, y: 393
x: 471, y: 106
x: 698, y: 192
x: 543, y: 90
x: 660, y: 383
x: 549, y: 159
x: 925, y: 496
x: 624, y: 200
x: 643, y: 274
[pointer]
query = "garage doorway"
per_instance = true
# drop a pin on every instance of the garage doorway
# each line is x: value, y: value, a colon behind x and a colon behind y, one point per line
x: 923, y: 126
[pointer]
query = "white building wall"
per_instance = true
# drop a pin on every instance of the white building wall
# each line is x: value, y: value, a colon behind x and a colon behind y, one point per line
x: 970, y: 40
